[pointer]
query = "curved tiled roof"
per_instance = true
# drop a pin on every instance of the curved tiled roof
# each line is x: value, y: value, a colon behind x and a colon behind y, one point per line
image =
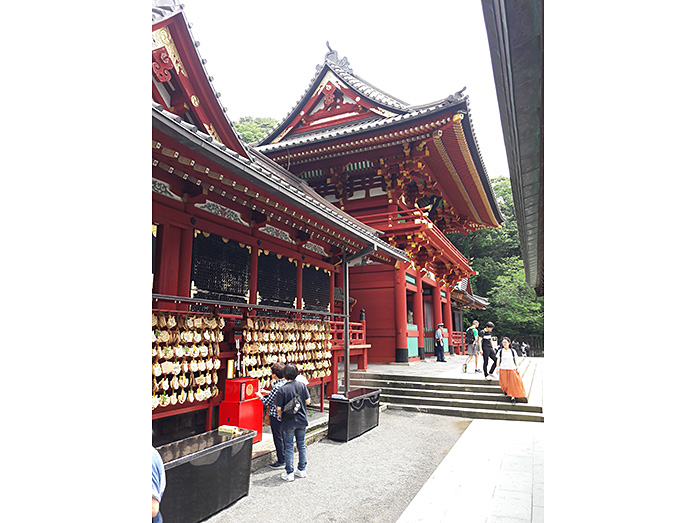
x: 270, y: 176
x: 359, y: 127
x: 165, y: 9
x: 343, y: 71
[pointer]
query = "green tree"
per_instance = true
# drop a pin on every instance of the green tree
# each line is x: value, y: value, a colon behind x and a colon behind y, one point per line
x: 497, y: 258
x: 252, y: 129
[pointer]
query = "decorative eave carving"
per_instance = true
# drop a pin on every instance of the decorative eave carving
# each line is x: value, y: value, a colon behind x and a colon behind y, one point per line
x: 163, y: 38
x: 276, y: 233
x: 223, y: 212
x: 163, y: 188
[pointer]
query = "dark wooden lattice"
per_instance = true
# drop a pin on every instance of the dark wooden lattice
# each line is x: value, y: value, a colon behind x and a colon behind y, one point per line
x: 316, y: 289
x: 277, y: 281
x: 220, y: 270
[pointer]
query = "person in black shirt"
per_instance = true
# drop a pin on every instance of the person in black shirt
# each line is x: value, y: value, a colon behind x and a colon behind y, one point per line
x: 488, y: 348
x: 293, y: 425
x: 516, y: 347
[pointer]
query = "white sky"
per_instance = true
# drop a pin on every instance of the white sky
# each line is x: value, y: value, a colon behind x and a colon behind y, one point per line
x: 262, y: 55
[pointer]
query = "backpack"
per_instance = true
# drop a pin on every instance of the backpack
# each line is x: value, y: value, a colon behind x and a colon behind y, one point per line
x: 469, y: 336
x: 293, y: 405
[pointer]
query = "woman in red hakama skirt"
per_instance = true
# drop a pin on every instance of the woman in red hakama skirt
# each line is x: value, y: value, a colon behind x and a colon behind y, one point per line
x: 509, y: 378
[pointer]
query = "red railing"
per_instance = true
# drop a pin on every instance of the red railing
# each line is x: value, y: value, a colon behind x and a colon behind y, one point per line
x: 358, y: 348
x: 457, y: 342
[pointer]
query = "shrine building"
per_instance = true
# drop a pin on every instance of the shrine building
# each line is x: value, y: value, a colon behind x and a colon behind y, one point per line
x: 244, y: 253
x: 413, y: 172
x: 250, y: 241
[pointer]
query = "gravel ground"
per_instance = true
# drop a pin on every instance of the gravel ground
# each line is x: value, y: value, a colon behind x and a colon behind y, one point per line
x: 371, y: 478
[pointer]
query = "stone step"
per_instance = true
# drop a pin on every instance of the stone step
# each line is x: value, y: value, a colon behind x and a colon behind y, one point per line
x: 470, y: 413
x: 480, y: 386
x: 358, y: 374
x: 426, y: 394
x: 410, y: 381
x: 454, y: 396
x: 506, y: 405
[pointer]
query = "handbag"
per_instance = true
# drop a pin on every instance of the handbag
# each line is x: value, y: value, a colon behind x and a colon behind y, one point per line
x: 292, y: 406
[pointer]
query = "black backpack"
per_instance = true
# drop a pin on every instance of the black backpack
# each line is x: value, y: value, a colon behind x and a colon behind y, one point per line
x: 293, y: 405
x: 469, y: 336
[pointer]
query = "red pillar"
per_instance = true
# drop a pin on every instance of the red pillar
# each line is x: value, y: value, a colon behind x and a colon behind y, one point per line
x: 253, y: 272
x: 299, y: 286
x: 419, y: 312
x: 448, y: 320
x: 437, y: 307
x: 168, y: 274
x: 400, y: 314
x: 185, y: 260
x: 331, y: 292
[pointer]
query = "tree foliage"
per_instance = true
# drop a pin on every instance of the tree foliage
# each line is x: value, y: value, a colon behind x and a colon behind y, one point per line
x: 497, y: 258
x: 251, y: 129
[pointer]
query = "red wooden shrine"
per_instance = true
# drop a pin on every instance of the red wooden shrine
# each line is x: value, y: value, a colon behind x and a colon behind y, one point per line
x: 236, y: 239
x: 411, y: 172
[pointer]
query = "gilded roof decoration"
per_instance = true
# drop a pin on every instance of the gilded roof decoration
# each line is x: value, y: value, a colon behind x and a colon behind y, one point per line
x: 163, y: 38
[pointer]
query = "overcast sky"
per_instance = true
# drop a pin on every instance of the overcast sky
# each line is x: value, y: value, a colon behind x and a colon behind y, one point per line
x: 263, y: 55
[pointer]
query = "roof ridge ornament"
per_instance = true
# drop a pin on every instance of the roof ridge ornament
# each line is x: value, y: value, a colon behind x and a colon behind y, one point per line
x: 457, y: 97
x: 333, y: 57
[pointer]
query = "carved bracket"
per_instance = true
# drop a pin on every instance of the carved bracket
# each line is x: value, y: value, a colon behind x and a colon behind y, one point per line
x: 161, y: 65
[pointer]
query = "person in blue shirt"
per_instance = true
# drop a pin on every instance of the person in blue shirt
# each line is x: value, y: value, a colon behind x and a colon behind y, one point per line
x: 439, y: 345
x: 293, y: 425
x: 158, y: 485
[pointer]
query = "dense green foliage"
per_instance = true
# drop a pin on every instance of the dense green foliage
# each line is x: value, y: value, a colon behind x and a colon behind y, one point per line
x: 514, y: 308
x: 252, y: 129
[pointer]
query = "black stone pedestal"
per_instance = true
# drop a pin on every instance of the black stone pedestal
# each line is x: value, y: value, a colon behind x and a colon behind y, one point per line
x: 205, y: 474
x: 349, y: 418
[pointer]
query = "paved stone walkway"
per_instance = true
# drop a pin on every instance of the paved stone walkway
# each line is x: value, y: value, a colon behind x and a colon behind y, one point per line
x: 501, y: 481
x: 456, y: 469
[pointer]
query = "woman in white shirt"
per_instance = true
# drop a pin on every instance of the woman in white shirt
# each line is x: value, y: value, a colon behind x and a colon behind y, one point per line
x: 509, y: 378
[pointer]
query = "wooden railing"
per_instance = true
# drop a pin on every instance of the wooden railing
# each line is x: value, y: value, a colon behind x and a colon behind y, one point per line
x: 358, y: 348
x: 457, y: 342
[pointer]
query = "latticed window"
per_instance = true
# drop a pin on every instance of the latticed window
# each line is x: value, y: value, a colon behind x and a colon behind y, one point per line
x: 219, y: 268
x: 277, y: 281
x: 316, y: 289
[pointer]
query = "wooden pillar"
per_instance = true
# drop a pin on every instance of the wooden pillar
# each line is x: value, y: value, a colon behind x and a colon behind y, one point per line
x: 253, y: 273
x: 167, y: 264
x: 299, y: 286
x: 400, y: 314
x: 448, y: 320
x: 185, y: 260
x: 419, y: 313
x: 331, y: 292
x: 437, y: 307
x: 168, y: 274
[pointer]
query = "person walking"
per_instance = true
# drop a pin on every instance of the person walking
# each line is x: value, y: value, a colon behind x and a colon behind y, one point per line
x: 509, y: 378
x: 516, y: 347
x: 472, y: 346
x: 269, y: 402
x: 295, y: 424
x: 487, y: 344
x: 439, y: 345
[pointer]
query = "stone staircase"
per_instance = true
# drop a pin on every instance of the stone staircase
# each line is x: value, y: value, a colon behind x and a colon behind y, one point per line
x: 465, y: 397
